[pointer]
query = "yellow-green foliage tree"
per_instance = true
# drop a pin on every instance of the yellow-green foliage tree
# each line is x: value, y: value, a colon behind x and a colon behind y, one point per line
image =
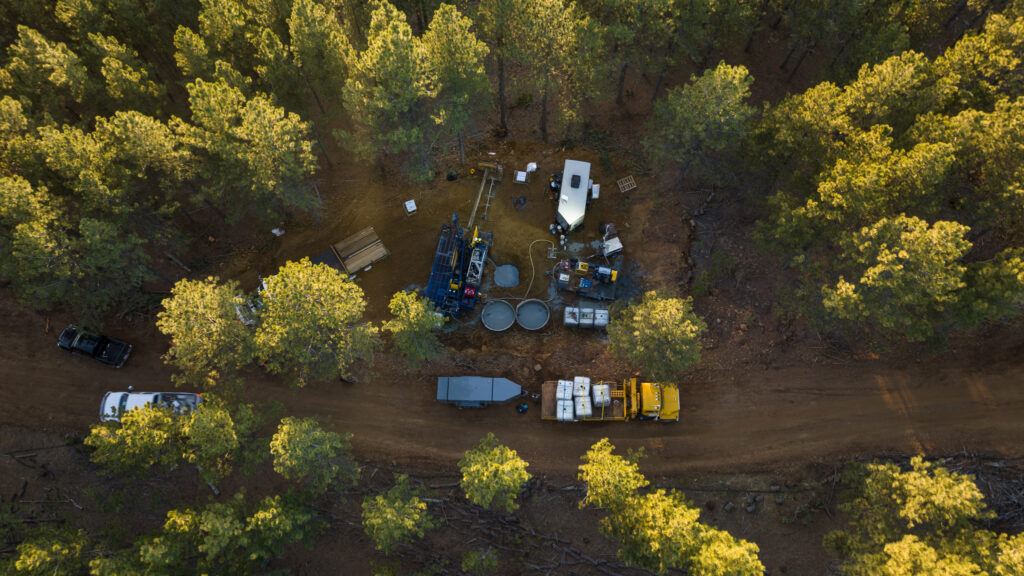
x: 58, y: 552
x: 557, y: 43
x: 389, y: 92
x: 52, y: 259
x: 210, y: 440
x: 320, y: 48
x: 660, y: 335
x: 146, y: 439
x: 128, y: 79
x: 311, y: 324
x: 255, y: 158
x: 697, y: 125
x: 496, y: 22
x: 227, y: 537
x: 397, y: 516
x: 920, y: 521
x: 610, y: 478
x: 480, y: 563
x: 316, y: 458
x: 208, y: 342
x: 152, y: 439
x: 634, y: 34
x: 456, y: 57
x: 911, y: 273
x: 493, y: 475
x: 898, y: 201
x: 659, y: 530
x: 413, y: 326
x: 45, y: 76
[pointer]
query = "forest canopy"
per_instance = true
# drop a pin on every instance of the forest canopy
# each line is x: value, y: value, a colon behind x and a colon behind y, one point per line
x: 893, y: 185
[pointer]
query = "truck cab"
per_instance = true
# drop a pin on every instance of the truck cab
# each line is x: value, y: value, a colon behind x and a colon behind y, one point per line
x: 654, y: 401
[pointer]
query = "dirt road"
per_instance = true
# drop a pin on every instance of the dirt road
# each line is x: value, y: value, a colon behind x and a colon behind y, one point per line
x: 744, y: 419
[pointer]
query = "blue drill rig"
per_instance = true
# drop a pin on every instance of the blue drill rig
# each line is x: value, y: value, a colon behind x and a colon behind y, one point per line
x: 458, y: 268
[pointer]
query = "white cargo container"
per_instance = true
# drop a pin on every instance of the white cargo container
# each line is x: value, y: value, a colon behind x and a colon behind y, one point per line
x: 586, y: 317
x: 581, y: 387
x: 564, y: 411
x: 578, y: 317
x: 572, y: 316
x: 565, y: 389
x: 584, y: 408
x: 602, y: 395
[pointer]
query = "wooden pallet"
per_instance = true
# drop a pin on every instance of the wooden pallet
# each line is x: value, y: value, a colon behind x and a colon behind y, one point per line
x: 627, y: 184
x: 360, y: 250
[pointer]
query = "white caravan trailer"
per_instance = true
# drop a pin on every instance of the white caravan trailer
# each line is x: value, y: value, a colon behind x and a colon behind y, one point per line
x: 572, y: 198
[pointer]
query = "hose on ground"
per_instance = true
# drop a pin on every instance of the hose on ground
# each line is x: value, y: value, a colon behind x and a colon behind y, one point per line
x: 533, y: 270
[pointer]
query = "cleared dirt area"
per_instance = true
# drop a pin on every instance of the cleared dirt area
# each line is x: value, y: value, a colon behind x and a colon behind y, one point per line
x: 766, y: 395
x: 770, y: 403
x: 745, y: 427
x: 739, y: 419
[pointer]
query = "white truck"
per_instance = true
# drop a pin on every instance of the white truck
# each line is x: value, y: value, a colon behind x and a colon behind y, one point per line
x: 116, y: 404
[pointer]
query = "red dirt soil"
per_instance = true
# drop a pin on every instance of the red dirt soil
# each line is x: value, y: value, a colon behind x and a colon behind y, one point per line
x: 767, y: 402
x: 743, y: 419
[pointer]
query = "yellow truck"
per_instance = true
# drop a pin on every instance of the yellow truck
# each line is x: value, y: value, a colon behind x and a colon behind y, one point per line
x: 579, y: 400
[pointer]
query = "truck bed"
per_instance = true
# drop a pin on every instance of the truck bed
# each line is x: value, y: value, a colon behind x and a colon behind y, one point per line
x: 614, y: 412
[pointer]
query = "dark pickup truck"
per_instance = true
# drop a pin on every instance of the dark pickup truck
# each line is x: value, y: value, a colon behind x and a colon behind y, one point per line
x: 109, y: 351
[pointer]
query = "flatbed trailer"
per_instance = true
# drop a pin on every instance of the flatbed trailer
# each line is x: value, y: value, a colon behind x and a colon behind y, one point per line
x: 615, y: 412
x: 628, y: 400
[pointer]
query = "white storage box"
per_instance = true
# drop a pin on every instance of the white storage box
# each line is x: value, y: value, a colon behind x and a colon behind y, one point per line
x: 600, y: 318
x: 572, y: 316
x: 584, y: 408
x: 586, y: 317
x: 564, y: 411
x: 581, y: 387
x: 564, y: 390
x: 602, y: 395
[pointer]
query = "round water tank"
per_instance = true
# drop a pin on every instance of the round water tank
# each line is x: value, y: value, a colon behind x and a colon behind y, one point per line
x: 498, y: 315
x: 506, y: 276
x: 532, y: 314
